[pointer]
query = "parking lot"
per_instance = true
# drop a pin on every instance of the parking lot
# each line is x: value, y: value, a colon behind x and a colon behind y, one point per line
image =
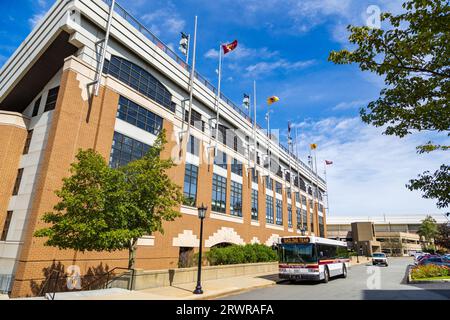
x: 364, y: 282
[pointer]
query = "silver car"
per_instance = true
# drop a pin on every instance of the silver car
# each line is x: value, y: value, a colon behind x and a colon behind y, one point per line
x: 379, y: 258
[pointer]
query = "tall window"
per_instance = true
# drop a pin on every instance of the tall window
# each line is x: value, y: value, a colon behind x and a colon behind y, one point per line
x: 26, y: 147
x: 302, y: 184
x: 279, y: 211
x: 17, y: 183
x: 254, y: 208
x: 311, y: 217
x: 269, y: 183
x: 193, y: 145
x: 139, y: 79
x: 219, y: 193
x: 254, y: 175
x: 299, y: 217
x: 321, y: 227
x: 36, y: 107
x: 221, y: 159
x: 288, y: 193
x: 305, y: 218
x: 278, y: 187
x: 51, y: 99
x: 269, y: 209
x: 139, y: 116
x: 303, y: 200
x: 236, y: 199
x: 289, y: 216
x: 196, y: 119
x: 125, y: 149
x: 236, y: 167
x: 6, y: 225
x: 190, y: 185
x: 297, y: 197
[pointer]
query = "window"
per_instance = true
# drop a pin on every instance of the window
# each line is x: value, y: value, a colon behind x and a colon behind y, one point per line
x: 289, y: 216
x: 254, y: 175
x: 311, y: 219
x: 236, y: 167
x: 278, y: 187
x: 269, y: 209
x: 221, y: 159
x: 320, y: 208
x: 51, y: 99
x: 36, y: 107
x: 269, y: 183
x: 222, y: 134
x: 321, y: 227
x: 196, y: 119
x: 310, y: 190
x: 299, y: 217
x: 27, y: 142
x: 279, y: 211
x: 190, y: 185
x: 17, y: 183
x: 288, y: 193
x: 297, y: 197
x: 6, y: 225
x: 326, y: 251
x: 236, y: 199
x: 287, y: 176
x: 139, y: 79
x: 126, y: 149
x: 219, y: 193
x: 305, y: 218
x: 304, y: 200
x: 193, y: 145
x: 302, y: 184
x: 138, y: 116
x: 254, y: 207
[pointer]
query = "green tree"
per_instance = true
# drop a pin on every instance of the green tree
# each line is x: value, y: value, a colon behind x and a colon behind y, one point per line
x: 443, y: 236
x: 428, y: 229
x: 412, y: 56
x: 107, y: 209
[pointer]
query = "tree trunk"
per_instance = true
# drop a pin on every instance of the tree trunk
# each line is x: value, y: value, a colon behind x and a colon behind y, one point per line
x: 132, y: 254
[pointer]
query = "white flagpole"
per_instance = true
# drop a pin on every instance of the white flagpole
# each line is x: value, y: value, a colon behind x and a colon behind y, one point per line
x: 254, y: 125
x: 218, y: 99
x: 191, y: 79
x: 326, y: 183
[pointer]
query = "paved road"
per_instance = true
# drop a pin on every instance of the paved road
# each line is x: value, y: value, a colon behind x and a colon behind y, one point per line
x: 363, y: 282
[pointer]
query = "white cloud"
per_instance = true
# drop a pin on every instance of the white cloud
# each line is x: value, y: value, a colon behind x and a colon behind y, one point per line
x: 370, y: 170
x: 42, y: 3
x: 35, y: 19
x: 166, y: 20
x: 350, y: 105
x: 243, y: 52
x: 282, y: 64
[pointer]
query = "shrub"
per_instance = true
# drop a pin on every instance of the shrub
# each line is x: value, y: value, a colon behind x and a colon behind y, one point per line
x: 429, y: 271
x: 235, y: 254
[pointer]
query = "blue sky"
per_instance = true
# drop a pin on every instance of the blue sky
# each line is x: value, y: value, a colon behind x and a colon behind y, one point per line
x: 284, y: 45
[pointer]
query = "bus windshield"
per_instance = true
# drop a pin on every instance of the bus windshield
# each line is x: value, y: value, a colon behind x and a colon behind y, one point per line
x: 297, y: 253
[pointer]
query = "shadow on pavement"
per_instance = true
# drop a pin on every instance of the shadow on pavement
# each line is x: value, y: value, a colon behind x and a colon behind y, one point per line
x: 406, y: 294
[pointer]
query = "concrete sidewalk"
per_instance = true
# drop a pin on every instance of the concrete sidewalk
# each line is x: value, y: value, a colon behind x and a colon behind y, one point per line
x: 211, y: 288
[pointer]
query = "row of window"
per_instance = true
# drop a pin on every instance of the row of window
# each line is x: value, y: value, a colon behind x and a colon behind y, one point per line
x: 50, y: 103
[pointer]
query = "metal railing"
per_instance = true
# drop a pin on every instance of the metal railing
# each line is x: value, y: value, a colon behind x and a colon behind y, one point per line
x: 109, y: 277
x: 180, y: 61
x: 50, y: 285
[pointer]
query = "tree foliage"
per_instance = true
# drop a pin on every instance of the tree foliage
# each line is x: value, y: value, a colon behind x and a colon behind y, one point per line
x: 443, y: 236
x: 107, y: 209
x: 413, y: 57
x: 428, y: 228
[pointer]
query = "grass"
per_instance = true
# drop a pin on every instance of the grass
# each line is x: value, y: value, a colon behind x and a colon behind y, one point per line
x: 432, y: 278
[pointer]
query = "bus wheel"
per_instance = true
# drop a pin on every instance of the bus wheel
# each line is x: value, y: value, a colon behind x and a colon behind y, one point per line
x: 326, y: 275
x: 344, y: 271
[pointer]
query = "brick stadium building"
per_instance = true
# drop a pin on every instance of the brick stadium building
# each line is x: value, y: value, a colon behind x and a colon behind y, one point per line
x: 48, y: 112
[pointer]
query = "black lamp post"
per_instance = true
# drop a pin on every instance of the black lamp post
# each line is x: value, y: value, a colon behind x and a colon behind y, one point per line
x: 201, y: 215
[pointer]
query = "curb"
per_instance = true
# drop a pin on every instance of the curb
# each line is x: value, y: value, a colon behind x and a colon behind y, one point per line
x: 411, y: 281
x: 234, y: 291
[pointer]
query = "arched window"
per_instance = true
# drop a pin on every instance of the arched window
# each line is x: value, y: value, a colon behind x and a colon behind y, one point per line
x: 139, y: 79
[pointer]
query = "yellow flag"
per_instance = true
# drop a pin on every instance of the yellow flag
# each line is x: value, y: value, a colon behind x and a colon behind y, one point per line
x: 313, y: 146
x: 272, y: 99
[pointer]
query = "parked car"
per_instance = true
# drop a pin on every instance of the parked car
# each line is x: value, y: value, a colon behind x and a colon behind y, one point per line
x: 440, y: 261
x: 379, y: 258
x: 421, y: 257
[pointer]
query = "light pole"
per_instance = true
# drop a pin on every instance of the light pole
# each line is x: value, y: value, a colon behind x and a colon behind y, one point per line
x: 201, y: 215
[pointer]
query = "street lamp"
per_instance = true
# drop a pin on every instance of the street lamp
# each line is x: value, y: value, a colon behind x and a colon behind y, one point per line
x: 201, y: 215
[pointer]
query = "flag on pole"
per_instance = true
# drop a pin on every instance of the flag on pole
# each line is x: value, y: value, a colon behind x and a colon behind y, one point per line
x: 289, y: 127
x: 313, y: 146
x: 272, y: 99
x: 328, y: 162
x: 229, y: 47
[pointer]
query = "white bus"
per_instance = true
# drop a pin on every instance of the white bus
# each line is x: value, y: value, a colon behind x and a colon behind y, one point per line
x: 312, y: 258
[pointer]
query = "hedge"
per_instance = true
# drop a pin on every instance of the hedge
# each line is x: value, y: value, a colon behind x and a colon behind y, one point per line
x: 429, y: 271
x: 236, y: 254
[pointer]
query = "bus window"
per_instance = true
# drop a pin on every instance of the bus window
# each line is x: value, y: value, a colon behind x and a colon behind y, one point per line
x: 297, y: 253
